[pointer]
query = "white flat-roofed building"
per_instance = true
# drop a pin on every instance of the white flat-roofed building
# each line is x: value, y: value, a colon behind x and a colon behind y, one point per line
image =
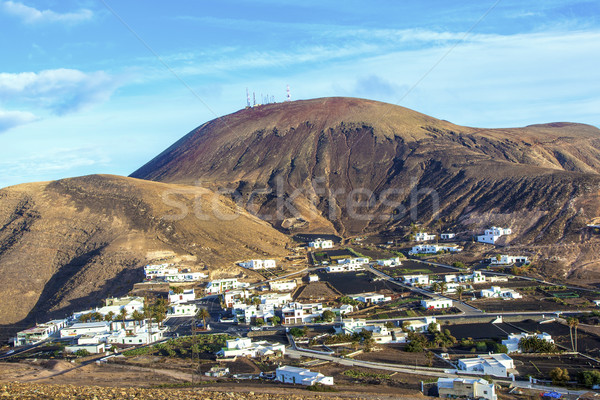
x: 475, y: 277
x: 182, y: 310
x: 250, y: 312
x: 185, y: 276
x: 512, y: 342
x: 245, y: 347
x: 498, y: 292
x: 389, y: 262
x: 508, y: 260
x: 90, y: 348
x: 116, y: 304
x: 313, y: 278
x: 447, y: 236
x: 140, y: 335
x: 187, y: 296
x: 349, y: 265
x: 416, y: 279
x: 222, y: 285
x: 438, y: 303
x: 373, y: 298
x: 282, y: 286
x: 299, y: 313
x: 301, y: 376
x: 381, y: 333
x: 423, y: 237
x: 421, y: 325
x: 259, y: 264
x: 466, y: 388
x: 39, y: 332
x: 498, y: 364
x: 159, y: 270
x: 321, y: 244
x: 85, y: 328
x: 275, y: 299
x: 434, y: 248
x: 493, y: 234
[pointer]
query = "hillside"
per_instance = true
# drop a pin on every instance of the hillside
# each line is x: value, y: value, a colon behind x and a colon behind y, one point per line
x: 318, y: 152
x: 68, y: 244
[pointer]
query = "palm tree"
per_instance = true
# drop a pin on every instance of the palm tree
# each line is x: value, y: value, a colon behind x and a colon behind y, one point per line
x: 459, y: 291
x: 203, y: 314
x: 442, y: 287
x: 138, y: 317
x: 571, y: 322
x: 85, y: 317
x: 435, y: 286
x: 575, y: 324
x: 109, y: 316
x: 123, y: 315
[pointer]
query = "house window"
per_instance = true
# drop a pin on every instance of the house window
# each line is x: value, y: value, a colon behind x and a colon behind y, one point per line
x: 485, y: 392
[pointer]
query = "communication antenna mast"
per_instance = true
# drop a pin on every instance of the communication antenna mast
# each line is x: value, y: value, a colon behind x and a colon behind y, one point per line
x: 247, y: 98
x: 253, y: 99
x: 289, y: 96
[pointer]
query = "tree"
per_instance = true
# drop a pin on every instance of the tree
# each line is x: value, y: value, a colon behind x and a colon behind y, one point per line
x: 435, y: 286
x: 459, y: 291
x: 559, y: 375
x: 123, y: 315
x: 138, y: 317
x: 259, y: 321
x: 203, y: 314
x: 458, y: 264
x: 573, y: 323
x: 275, y: 320
x: 85, y: 317
x: 177, y: 289
x: 109, y: 316
x: 328, y: 315
x: 82, y: 353
x: 442, y: 287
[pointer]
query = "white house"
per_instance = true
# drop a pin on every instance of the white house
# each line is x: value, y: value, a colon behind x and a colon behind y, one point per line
x: 187, y: 296
x: 159, y: 270
x: 512, y: 343
x: 313, y: 278
x: 251, y: 312
x: 373, y: 298
x: 454, y: 388
x: 381, y: 333
x: 299, y: 313
x: 301, y: 376
x: 436, y: 303
x: 184, y: 275
x: 96, y: 348
x: 182, y: 309
x: 416, y: 279
x: 282, y: 286
x: 344, y: 268
x: 447, y: 236
x: 137, y: 335
x: 321, y: 244
x: 276, y: 299
x: 497, y: 291
x: 244, y: 347
x: 39, y: 332
x: 420, y: 325
x: 508, y: 260
x: 259, y: 264
x: 85, y: 328
x: 423, y: 237
x: 389, y: 262
x: 498, y: 364
x: 493, y: 234
x: 223, y: 285
x: 434, y: 248
x: 116, y: 304
x: 475, y: 277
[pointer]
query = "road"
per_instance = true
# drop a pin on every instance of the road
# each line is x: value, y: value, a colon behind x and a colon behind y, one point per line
x: 464, y: 308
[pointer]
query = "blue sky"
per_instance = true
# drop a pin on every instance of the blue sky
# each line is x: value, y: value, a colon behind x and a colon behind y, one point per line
x: 102, y: 86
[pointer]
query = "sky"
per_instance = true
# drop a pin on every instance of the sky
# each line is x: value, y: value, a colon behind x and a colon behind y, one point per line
x: 103, y: 86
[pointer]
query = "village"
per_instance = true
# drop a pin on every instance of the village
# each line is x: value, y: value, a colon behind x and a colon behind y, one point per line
x: 383, y: 313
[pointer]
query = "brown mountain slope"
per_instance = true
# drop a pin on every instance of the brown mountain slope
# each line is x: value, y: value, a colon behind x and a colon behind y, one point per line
x: 67, y: 244
x: 318, y: 154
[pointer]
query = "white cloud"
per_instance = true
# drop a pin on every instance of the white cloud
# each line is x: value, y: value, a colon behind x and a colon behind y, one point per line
x: 10, y: 119
x: 59, y: 90
x: 32, y: 15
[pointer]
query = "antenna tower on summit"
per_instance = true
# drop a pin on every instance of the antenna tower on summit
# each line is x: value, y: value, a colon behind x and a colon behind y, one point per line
x: 253, y: 99
x: 289, y: 96
x: 247, y: 98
